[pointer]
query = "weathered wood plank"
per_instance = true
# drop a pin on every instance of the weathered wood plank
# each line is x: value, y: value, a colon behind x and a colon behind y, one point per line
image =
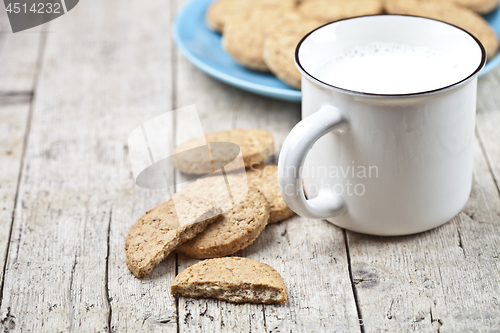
x: 310, y: 255
x: 143, y: 305
x: 488, y: 120
x: 13, y: 127
x: 18, y: 56
x: 77, y: 195
x: 442, y: 280
x: 106, y: 70
x: 216, y: 104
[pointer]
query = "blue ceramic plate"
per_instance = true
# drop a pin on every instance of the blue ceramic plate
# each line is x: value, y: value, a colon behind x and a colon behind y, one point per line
x: 202, y: 47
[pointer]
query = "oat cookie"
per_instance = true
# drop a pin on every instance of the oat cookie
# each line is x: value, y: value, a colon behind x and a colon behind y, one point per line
x: 159, y: 231
x: 224, y: 191
x: 279, y: 50
x: 232, y: 279
x: 461, y: 17
x: 265, y: 178
x: 479, y: 6
x: 222, y: 11
x: 234, y: 230
x: 256, y: 145
x: 244, y: 39
x: 333, y: 10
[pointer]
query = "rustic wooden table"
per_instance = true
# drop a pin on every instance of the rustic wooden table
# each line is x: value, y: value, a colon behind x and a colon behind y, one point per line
x: 71, y: 92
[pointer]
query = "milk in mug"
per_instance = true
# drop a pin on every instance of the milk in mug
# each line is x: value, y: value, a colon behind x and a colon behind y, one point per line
x: 388, y: 68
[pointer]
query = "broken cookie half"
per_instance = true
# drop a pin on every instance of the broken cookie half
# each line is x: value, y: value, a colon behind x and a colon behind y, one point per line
x: 162, y: 229
x: 232, y: 279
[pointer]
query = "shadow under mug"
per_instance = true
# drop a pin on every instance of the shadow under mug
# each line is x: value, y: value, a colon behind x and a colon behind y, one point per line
x: 382, y: 164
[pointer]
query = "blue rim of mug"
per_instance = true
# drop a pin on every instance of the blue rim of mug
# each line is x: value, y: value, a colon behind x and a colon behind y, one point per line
x: 354, y: 92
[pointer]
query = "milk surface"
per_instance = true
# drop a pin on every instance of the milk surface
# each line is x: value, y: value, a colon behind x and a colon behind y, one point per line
x: 386, y: 68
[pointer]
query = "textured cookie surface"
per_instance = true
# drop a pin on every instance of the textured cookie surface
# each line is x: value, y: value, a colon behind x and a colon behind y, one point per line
x: 223, y: 191
x: 279, y: 50
x: 234, y: 230
x: 256, y: 145
x: 332, y: 10
x: 479, y: 6
x: 265, y: 178
x: 244, y: 38
x: 449, y: 13
x: 232, y: 279
x: 222, y: 10
x: 159, y: 231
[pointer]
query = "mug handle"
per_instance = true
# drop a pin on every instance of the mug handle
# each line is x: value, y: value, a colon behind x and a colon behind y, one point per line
x: 291, y: 160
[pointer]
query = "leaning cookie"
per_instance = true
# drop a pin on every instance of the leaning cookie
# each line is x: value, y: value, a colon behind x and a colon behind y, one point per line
x: 265, y: 178
x: 233, y: 279
x: 256, y: 145
x: 279, y: 50
x: 461, y: 17
x: 224, y: 190
x: 333, y: 10
x: 234, y: 230
x: 162, y: 229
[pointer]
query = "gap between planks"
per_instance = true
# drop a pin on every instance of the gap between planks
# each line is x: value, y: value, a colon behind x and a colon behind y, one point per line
x: 353, y: 286
x: 18, y: 98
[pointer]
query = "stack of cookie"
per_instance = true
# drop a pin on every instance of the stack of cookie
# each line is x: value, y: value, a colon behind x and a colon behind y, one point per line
x: 262, y: 34
x: 215, y: 216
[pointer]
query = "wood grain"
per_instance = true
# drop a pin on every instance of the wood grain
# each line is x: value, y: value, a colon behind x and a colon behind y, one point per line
x: 488, y: 121
x: 103, y: 75
x: 100, y: 78
x: 13, y: 129
x: 141, y: 305
x: 18, y: 55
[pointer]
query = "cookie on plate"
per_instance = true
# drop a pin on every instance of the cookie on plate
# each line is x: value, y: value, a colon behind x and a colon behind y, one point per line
x: 232, y: 279
x: 265, y: 178
x: 244, y: 38
x: 447, y: 12
x: 221, y: 11
x: 333, y: 10
x: 279, y: 50
x: 479, y: 6
x: 234, y: 230
x: 159, y: 231
x: 256, y: 145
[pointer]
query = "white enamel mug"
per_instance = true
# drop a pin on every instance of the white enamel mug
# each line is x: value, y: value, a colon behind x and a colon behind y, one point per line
x: 376, y: 163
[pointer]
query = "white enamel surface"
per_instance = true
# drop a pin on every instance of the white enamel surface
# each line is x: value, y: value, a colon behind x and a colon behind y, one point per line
x: 418, y: 150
